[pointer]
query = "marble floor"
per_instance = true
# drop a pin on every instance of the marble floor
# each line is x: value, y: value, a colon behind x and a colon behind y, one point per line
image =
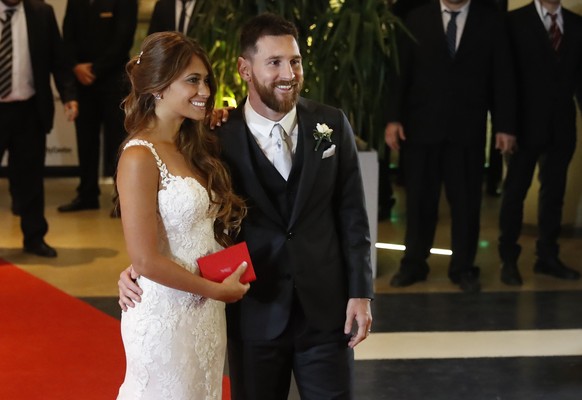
x: 429, y: 340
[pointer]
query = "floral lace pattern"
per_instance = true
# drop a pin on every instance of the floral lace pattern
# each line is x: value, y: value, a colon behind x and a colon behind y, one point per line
x: 175, y: 341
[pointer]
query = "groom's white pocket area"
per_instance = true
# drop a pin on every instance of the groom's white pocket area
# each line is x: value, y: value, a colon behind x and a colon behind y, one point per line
x: 329, y: 152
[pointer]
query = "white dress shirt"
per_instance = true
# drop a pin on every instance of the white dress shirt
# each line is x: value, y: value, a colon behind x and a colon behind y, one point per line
x: 545, y: 16
x: 261, y: 127
x: 189, y: 9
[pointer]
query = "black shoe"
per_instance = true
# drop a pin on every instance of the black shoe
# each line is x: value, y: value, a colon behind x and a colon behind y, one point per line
x: 469, y: 284
x: 556, y: 268
x: 510, y: 274
x: 403, y: 279
x: 467, y: 279
x: 79, y: 204
x: 40, y: 249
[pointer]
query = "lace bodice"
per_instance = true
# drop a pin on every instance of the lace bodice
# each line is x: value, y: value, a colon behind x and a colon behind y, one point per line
x: 185, y: 214
x: 175, y: 341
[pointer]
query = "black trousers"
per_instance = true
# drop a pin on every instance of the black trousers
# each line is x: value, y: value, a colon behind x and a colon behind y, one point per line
x: 321, y: 362
x: 553, y: 161
x: 99, y: 107
x: 22, y: 136
x: 427, y: 168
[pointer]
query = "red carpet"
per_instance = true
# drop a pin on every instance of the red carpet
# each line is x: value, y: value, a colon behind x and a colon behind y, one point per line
x: 54, y: 346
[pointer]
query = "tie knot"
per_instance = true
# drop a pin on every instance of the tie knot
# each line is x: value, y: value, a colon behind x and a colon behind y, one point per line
x: 553, y: 17
x: 278, y: 130
x: 453, y: 14
x: 9, y: 12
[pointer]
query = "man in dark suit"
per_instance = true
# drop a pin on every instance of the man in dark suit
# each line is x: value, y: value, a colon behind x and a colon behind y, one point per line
x: 548, y: 59
x: 306, y: 228
x: 457, y: 67
x: 172, y: 15
x: 27, y: 107
x: 98, y: 35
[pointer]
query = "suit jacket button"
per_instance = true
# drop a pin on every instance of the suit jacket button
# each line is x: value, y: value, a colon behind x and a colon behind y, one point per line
x: 290, y: 235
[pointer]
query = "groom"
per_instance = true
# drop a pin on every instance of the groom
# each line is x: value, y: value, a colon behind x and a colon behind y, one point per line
x: 307, y: 230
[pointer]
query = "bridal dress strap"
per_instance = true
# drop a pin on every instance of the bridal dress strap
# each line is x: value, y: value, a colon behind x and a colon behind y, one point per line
x: 166, y: 177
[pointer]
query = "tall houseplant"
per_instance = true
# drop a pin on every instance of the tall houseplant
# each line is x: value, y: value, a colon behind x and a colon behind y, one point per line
x: 351, y: 50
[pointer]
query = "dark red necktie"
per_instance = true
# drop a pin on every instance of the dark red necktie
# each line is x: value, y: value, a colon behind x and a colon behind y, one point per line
x: 555, y: 32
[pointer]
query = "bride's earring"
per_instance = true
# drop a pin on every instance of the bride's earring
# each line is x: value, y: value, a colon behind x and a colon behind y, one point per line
x: 158, y: 96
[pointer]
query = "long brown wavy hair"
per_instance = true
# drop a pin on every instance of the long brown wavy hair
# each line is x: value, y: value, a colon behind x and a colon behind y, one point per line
x: 164, y: 56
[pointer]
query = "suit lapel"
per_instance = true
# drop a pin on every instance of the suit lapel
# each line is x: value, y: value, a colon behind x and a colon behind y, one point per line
x: 311, y: 159
x: 469, y: 30
x: 438, y: 34
x: 565, y: 47
x: 32, y: 25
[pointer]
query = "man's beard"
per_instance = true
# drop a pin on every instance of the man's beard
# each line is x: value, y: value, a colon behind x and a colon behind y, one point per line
x: 269, y: 98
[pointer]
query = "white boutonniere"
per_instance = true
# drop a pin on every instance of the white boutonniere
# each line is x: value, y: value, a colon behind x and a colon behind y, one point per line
x: 322, y: 132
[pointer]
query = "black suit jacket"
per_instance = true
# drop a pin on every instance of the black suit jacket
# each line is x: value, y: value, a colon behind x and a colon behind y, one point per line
x: 47, y: 56
x: 323, y: 252
x: 547, y: 81
x: 440, y: 98
x: 100, y: 32
x: 164, y: 17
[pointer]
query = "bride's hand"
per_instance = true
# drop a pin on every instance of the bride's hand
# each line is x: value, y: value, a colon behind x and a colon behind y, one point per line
x: 129, y: 291
x: 232, y: 289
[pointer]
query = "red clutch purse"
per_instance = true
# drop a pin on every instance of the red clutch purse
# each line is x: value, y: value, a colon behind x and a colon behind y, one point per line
x: 217, y: 266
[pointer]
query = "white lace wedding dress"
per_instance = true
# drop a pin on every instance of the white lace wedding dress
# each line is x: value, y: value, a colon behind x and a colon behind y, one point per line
x: 175, y: 341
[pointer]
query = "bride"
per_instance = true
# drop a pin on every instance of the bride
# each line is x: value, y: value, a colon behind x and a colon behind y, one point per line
x: 177, y: 204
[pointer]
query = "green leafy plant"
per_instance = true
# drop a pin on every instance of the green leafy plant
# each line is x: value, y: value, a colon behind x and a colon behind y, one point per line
x: 351, y: 49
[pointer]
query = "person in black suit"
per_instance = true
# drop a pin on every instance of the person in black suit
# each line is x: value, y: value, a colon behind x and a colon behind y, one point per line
x: 549, y: 71
x: 27, y: 109
x: 98, y: 36
x: 306, y: 229
x: 494, y: 172
x: 171, y: 15
x: 449, y: 79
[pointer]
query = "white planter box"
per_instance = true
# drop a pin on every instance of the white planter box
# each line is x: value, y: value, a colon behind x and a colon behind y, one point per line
x: 369, y: 168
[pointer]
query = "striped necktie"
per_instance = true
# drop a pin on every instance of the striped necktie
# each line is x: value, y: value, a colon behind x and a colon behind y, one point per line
x: 6, y: 54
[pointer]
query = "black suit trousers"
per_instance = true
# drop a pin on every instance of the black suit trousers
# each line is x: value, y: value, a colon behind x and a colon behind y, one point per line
x: 553, y: 161
x: 321, y: 362
x: 22, y: 136
x: 460, y: 169
x: 99, y: 107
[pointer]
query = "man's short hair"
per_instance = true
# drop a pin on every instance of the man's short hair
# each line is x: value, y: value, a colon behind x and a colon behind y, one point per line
x: 266, y: 24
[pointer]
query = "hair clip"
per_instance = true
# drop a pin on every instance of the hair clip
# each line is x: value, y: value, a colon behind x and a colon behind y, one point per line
x: 139, y: 58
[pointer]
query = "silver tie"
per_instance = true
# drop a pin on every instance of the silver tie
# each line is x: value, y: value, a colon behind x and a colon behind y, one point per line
x: 283, y: 159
